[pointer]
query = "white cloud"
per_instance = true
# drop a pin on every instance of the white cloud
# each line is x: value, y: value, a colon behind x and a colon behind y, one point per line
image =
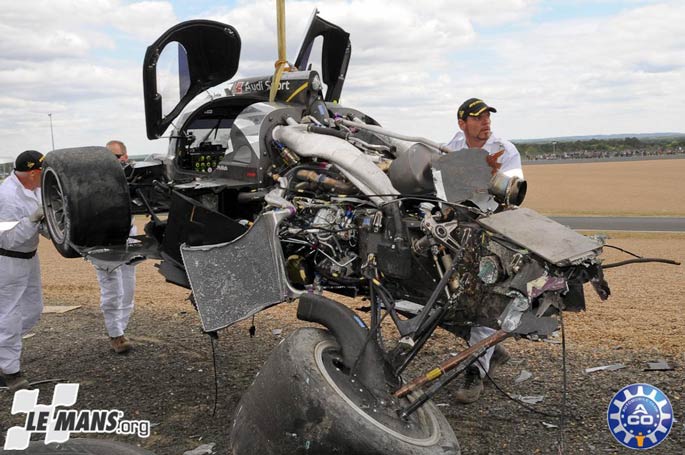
x: 74, y: 59
x: 412, y: 64
x: 144, y: 20
x: 594, y: 76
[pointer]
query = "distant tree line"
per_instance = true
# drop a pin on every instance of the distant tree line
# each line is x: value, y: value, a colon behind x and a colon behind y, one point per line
x: 5, y: 169
x: 601, y: 148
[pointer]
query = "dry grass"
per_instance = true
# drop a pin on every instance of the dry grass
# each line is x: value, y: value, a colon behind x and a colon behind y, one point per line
x: 649, y: 188
x: 646, y: 310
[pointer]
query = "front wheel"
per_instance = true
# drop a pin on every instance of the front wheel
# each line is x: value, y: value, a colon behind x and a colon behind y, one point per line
x: 85, y: 199
x: 304, y: 401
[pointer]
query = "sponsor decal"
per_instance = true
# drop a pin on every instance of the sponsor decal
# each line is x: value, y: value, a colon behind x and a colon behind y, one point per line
x: 241, y: 87
x: 58, y: 424
x: 640, y: 416
x: 238, y: 88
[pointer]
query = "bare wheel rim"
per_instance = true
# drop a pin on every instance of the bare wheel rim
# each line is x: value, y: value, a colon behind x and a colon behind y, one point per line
x: 428, y: 420
x: 53, y: 197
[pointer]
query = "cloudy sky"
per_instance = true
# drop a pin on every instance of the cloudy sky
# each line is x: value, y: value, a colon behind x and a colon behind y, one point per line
x: 551, y: 68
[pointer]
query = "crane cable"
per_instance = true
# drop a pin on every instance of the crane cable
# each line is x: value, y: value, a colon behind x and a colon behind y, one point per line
x: 281, y: 63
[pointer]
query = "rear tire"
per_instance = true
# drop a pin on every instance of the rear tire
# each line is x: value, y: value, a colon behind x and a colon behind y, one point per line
x: 301, y: 403
x: 85, y: 198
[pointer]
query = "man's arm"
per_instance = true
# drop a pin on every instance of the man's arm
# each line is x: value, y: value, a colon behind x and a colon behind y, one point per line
x: 511, y: 161
x: 22, y: 232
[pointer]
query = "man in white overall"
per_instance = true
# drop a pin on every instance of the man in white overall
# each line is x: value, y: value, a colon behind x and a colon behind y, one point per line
x: 21, y: 296
x: 474, y: 124
x: 117, y: 288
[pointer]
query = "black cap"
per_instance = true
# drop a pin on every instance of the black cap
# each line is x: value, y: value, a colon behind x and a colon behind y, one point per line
x: 29, y: 160
x: 473, y: 107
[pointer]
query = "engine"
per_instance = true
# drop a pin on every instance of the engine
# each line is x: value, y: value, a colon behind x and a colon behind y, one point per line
x: 359, y: 210
x: 352, y: 231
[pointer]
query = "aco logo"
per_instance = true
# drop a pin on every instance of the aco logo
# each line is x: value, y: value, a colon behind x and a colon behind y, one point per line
x: 640, y: 416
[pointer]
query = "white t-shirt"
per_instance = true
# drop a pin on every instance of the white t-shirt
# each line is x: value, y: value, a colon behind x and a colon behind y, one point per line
x: 510, y: 159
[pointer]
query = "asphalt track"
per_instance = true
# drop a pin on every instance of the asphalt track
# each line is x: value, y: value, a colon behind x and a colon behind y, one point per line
x: 623, y: 223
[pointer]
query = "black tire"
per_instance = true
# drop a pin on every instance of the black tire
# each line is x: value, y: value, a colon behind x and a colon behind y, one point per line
x: 85, y: 198
x: 294, y: 406
x: 81, y: 447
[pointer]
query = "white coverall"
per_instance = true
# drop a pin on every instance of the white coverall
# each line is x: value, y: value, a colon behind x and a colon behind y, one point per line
x: 511, y: 167
x: 117, y: 289
x: 21, y: 296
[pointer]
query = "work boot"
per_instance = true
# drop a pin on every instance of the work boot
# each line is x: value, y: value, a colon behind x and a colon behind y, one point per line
x: 499, y: 357
x: 472, y: 388
x: 120, y: 344
x: 15, y: 381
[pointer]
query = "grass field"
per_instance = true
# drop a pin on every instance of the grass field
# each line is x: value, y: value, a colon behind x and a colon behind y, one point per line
x: 637, y: 188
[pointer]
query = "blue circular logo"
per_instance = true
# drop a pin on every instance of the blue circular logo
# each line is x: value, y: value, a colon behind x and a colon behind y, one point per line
x: 640, y: 416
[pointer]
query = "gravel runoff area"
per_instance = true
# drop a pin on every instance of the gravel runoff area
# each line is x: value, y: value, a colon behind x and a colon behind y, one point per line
x: 168, y: 378
x: 629, y: 188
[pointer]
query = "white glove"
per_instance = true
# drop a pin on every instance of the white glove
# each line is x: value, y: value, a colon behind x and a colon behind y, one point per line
x: 43, y: 230
x: 37, y: 215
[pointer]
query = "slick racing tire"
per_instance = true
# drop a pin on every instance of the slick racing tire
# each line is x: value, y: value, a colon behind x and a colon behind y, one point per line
x: 80, y: 447
x: 85, y: 199
x: 301, y: 402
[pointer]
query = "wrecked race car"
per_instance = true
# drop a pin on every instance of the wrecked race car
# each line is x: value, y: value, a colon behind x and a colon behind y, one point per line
x: 269, y: 202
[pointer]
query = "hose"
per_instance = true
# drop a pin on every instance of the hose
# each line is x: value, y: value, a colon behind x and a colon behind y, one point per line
x: 639, y: 260
x: 328, y: 131
x: 377, y: 129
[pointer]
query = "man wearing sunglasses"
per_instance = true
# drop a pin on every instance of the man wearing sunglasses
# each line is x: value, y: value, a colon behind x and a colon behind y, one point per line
x: 21, y: 296
x: 117, y: 287
x: 118, y: 148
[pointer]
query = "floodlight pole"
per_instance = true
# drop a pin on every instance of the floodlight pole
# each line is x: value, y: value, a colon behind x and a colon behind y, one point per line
x: 52, y: 134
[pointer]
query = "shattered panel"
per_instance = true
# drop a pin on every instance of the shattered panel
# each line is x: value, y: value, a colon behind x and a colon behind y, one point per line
x: 464, y: 175
x: 548, y: 239
x: 232, y: 281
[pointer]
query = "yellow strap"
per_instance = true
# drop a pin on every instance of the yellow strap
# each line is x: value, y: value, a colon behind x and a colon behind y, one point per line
x: 281, y: 62
x: 299, y: 89
x: 434, y: 374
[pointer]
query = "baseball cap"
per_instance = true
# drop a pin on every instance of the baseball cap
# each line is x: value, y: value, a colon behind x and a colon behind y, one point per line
x: 473, y: 107
x: 29, y: 160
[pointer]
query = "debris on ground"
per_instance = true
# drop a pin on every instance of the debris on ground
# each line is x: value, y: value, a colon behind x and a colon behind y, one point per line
x: 549, y: 425
x: 659, y: 365
x: 529, y: 399
x: 204, y: 449
x: 3, y: 385
x: 613, y: 367
x: 59, y: 309
x: 524, y: 376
